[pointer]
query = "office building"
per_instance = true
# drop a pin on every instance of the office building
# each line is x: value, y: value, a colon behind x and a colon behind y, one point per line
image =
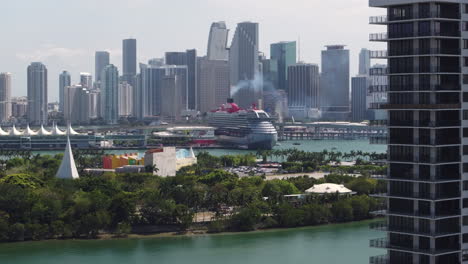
x: 284, y: 53
x: 364, y: 62
x: 270, y: 74
x: 334, y: 83
x: 172, y: 86
x: 64, y: 81
x: 217, y: 42
x: 156, y: 62
x: 37, y: 94
x: 125, y: 99
x: 5, y: 96
x: 129, y: 57
x: 189, y: 59
x: 359, y: 85
x: 86, y: 80
x: 213, y: 83
x: 426, y: 199
x: 101, y: 60
x: 110, y: 94
x: 246, y: 87
x: 141, y: 100
x: 303, y: 83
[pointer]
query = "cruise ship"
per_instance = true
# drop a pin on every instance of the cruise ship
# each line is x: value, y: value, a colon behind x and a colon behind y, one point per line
x: 243, y: 127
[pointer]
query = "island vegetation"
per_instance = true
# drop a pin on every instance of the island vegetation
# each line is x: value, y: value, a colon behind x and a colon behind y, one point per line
x: 34, y: 205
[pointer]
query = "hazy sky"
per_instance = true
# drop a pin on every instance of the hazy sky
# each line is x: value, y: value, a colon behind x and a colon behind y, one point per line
x: 64, y: 34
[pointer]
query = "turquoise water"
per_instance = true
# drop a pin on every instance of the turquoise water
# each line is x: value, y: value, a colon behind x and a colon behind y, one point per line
x: 306, y: 145
x: 340, y: 244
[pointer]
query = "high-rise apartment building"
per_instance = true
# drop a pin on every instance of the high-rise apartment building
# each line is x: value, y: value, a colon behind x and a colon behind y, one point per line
x: 5, y: 96
x: 125, y: 99
x: 217, y: 42
x: 64, y: 81
x: 284, y: 53
x: 19, y: 107
x: 334, y: 83
x: 76, y: 104
x: 101, y: 60
x: 364, y: 62
x: 37, y: 93
x: 213, y: 83
x: 359, y: 85
x: 110, y: 94
x: 303, y: 83
x: 246, y: 88
x: 427, y: 178
x: 86, y: 80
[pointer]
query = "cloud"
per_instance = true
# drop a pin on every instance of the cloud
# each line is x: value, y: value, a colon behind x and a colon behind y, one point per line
x: 47, y: 52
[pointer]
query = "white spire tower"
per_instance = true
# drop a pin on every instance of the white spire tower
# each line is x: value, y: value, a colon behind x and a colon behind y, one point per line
x: 67, y: 169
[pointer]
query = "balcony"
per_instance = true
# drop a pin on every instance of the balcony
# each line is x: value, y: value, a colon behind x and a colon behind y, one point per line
x: 378, y: 140
x: 385, y: 244
x: 382, y: 259
x: 378, y: 88
x: 378, y: 37
x: 384, y: 226
x: 378, y: 20
x: 416, y: 214
x: 423, y: 52
x: 378, y: 54
x: 419, y: 195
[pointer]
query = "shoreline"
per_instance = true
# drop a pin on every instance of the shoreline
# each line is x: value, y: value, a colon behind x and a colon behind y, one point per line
x: 196, y: 233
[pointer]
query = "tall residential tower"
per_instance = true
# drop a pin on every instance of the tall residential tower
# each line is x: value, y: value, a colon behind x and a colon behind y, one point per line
x: 5, y: 96
x: 37, y: 93
x: 427, y: 178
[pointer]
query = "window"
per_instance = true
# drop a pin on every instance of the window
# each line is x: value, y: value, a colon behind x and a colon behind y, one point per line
x: 465, y: 97
x: 465, y: 26
x: 465, y: 185
x: 465, y: 167
x: 465, y: 114
x: 465, y: 8
x: 465, y: 203
x: 465, y: 43
x: 465, y: 238
x: 465, y: 78
x: 465, y: 132
x: 465, y: 220
x: 465, y: 149
x: 465, y: 61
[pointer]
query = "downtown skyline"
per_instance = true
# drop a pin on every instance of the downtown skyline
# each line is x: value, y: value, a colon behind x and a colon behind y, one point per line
x: 64, y: 50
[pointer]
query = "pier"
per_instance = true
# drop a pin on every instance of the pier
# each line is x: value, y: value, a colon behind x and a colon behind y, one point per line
x: 328, y: 130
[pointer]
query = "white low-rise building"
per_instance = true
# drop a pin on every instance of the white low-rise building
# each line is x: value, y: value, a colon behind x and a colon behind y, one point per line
x: 329, y: 188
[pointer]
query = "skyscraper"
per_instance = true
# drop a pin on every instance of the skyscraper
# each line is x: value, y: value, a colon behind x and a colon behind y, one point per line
x: 125, y: 99
x: 86, y: 80
x: 37, y: 93
x: 129, y: 57
x: 64, y: 81
x: 426, y: 198
x: 5, y: 96
x: 189, y: 59
x: 285, y: 55
x: 172, y: 86
x: 76, y: 104
x: 303, y: 79
x: 359, y: 86
x: 244, y: 65
x: 217, y: 42
x: 334, y: 83
x: 101, y: 60
x: 213, y: 83
x: 110, y: 94
x: 364, y: 62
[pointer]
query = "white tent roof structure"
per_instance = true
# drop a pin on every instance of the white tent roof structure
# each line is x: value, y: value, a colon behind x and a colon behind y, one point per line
x: 44, y: 132
x: 3, y: 132
x: 329, y: 188
x: 71, y: 131
x: 15, y: 132
x: 29, y: 131
x: 57, y: 131
x: 67, y: 169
